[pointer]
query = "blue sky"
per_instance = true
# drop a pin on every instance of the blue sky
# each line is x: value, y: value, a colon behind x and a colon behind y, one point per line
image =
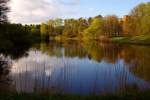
x: 105, y: 7
x: 37, y: 11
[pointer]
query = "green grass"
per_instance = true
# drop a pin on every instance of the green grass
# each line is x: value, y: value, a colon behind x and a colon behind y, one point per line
x: 37, y: 96
x: 145, y: 40
x: 64, y: 38
x: 142, y: 39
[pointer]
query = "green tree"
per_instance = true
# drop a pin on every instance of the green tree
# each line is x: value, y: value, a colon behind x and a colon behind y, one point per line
x: 70, y: 28
x: 57, y: 26
x: 126, y: 23
x: 58, y: 22
x: 43, y: 30
x: 111, y: 26
x: 54, y: 26
x: 81, y: 26
x: 140, y: 23
x: 3, y: 10
x: 50, y: 27
x: 95, y: 29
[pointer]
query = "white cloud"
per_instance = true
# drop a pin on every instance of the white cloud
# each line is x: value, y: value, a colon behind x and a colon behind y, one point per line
x: 72, y: 2
x: 36, y: 11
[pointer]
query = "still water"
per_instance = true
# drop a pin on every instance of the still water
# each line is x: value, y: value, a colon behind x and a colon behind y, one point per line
x: 77, y: 68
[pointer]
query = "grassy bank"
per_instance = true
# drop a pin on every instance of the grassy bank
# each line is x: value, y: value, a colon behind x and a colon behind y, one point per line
x: 37, y: 96
x: 143, y: 40
x: 64, y: 38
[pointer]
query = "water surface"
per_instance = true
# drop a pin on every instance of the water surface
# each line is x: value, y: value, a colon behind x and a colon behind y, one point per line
x: 77, y: 68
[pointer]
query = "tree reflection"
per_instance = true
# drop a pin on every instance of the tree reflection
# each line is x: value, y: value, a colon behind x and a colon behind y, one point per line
x: 15, y: 52
x: 74, y: 49
x: 69, y: 63
x: 93, y: 50
x: 135, y: 56
x: 5, y: 81
x: 140, y: 64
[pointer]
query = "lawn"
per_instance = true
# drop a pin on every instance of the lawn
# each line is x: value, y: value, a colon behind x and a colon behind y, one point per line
x: 145, y: 40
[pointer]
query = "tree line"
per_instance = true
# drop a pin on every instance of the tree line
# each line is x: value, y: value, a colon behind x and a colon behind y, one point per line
x: 135, y: 23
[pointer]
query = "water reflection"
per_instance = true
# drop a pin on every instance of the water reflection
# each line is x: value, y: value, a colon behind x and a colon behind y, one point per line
x: 81, y: 67
x: 5, y: 67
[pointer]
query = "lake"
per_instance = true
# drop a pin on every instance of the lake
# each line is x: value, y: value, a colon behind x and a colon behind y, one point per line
x: 76, y: 67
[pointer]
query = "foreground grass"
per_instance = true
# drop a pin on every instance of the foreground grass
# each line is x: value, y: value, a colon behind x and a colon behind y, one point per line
x: 37, y: 96
x: 145, y: 40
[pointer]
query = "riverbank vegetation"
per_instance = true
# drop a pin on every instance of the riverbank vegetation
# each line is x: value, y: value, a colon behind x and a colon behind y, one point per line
x: 141, y: 40
x: 13, y: 35
x: 37, y: 96
x: 131, y: 28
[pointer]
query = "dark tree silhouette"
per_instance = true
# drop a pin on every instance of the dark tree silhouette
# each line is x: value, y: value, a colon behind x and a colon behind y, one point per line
x: 3, y: 11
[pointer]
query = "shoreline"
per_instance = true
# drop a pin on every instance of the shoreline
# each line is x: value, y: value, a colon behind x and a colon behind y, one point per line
x: 137, y: 40
x: 132, y: 95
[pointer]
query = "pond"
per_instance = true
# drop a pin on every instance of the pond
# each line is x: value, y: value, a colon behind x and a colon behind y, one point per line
x: 76, y: 67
